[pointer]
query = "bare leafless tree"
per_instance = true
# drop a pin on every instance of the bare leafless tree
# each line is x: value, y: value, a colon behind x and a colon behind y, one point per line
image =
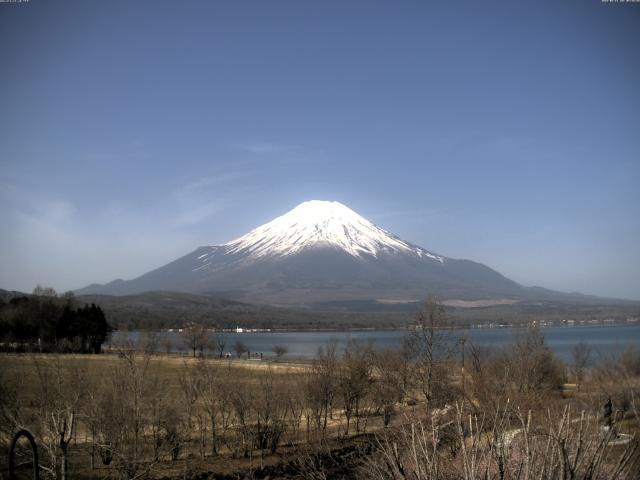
x: 430, y: 344
x: 219, y: 342
x: 40, y: 291
x: 354, y: 379
x: 280, y: 351
x: 240, y: 348
x: 271, y: 411
x: 59, y: 400
x: 320, y: 388
x: 167, y: 344
x: 391, y: 381
x: 216, y: 401
x: 148, y: 342
x: 127, y: 405
x: 581, y: 354
x: 195, y: 338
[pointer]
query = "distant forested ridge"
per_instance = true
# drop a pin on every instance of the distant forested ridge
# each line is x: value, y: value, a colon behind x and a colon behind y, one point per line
x: 47, y: 322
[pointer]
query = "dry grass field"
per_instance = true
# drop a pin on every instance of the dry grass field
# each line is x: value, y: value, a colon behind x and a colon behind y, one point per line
x: 167, y: 374
x: 168, y: 368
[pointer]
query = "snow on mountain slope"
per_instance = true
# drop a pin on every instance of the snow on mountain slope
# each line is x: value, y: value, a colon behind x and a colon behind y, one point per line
x: 319, y: 251
x: 321, y: 223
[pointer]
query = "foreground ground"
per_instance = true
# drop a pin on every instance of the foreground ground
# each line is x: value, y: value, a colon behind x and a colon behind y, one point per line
x: 337, y: 453
x: 364, y: 414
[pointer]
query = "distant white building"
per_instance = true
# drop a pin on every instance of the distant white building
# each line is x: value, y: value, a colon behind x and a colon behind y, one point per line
x: 239, y: 330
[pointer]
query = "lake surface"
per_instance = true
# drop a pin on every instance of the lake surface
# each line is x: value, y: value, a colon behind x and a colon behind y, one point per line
x: 605, y: 340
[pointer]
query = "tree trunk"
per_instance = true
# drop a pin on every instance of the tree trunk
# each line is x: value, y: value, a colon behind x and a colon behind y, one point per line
x: 63, y: 462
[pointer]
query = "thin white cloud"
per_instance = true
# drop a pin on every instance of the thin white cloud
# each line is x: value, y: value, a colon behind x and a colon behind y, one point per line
x: 197, y: 214
x: 205, y: 182
x: 265, y: 148
x: 198, y: 199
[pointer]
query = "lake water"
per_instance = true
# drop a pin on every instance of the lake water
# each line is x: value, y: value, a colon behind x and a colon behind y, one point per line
x: 605, y: 340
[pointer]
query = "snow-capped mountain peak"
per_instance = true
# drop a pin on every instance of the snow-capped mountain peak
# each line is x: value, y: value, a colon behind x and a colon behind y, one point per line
x: 318, y: 223
x: 319, y: 252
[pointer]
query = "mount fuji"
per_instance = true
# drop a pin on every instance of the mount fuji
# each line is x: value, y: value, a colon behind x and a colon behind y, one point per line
x: 321, y: 252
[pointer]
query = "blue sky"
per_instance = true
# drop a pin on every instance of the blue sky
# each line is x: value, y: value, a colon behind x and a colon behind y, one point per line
x: 503, y: 132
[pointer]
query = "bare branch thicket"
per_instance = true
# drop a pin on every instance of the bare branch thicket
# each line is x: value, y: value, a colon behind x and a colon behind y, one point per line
x: 504, y: 439
x: 271, y: 411
x: 565, y: 445
x: 148, y: 343
x: 431, y: 347
x: 320, y: 390
x: 313, y: 461
x: 354, y: 381
x: 238, y: 439
x: 629, y: 372
x: 630, y: 359
x: 134, y: 425
x: 295, y: 398
x: 167, y: 344
x: 526, y: 372
x: 630, y: 383
x: 391, y: 381
x: 487, y: 381
x: 166, y: 424
x: 581, y: 356
x: 192, y: 384
x: 254, y: 415
x: 617, y: 379
x: 61, y: 393
x: 216, y: 401
x: 533, y: 364
x: 410, y: 452
x: 11, y: 408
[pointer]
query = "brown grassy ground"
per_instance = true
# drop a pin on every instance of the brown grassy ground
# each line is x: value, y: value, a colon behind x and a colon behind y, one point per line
x: 20, y: 367
x: 22, y: 370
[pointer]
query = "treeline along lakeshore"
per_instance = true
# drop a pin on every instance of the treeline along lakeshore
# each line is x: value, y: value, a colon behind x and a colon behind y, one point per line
x: 44, y: 322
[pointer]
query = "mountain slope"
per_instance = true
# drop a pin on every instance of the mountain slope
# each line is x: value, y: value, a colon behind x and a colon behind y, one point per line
x: 319, y: 251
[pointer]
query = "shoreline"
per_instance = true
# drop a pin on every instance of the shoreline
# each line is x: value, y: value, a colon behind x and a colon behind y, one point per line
x: 490, y: 326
